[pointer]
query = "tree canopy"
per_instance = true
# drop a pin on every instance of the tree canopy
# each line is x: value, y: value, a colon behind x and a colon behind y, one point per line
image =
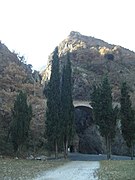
x: 104, y: 114
x: 53, y: 105
x: 127, y: 117
x: 67, y: 108
x: 21, y: 115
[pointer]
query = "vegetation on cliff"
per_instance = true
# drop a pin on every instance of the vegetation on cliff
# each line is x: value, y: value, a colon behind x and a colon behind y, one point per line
x: 16, y: 75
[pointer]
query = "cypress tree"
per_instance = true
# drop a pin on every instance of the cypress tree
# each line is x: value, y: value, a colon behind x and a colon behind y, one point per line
x: 127, y: 118
x: 21, y: 115
x: 53, y: 105
x: 104, y: 114
x: 67, y: 108
x: 96, y: 103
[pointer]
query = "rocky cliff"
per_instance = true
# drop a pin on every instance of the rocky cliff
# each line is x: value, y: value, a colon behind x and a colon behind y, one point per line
x: 91, y: 59
x: 15, y: 75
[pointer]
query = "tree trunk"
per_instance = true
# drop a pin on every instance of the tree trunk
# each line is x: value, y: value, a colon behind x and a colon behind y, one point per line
x: 132, y: 151
x: 34, y: 145
x: 108, y: 147
x: 56, y: 149
x: 65, y: 146
x: 19, y: 150
x: 64, y: 149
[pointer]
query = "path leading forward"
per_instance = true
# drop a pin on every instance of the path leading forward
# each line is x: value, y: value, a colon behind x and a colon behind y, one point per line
x: 76, y: 170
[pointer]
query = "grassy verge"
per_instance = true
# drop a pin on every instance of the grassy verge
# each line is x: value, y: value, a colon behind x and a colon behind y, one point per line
x: 13, y: 169
x: 116, y: 170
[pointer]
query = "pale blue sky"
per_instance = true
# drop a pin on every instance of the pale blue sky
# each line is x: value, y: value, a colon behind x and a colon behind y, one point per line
x: 34, y: 28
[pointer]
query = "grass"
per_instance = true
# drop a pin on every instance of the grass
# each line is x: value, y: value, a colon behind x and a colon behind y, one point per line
x: 21, y: 169
x: 116, y: 170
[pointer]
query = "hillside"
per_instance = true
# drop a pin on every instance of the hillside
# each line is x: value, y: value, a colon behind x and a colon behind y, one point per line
x: 93, y: 58
x: 15, y: 75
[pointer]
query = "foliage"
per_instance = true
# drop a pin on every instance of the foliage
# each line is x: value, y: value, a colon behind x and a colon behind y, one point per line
x: 21, y: 114
x: 104, y: 114
x: 53, y: 104
x: 67, y: 108
x: 127, y: 117
x: 96, y: 103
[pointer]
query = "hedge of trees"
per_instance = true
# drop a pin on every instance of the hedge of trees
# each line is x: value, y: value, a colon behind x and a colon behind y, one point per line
x: 105, y: 114
x: 60, y: 110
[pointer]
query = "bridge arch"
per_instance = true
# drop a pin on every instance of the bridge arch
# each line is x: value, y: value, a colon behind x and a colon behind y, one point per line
x: 82, y: 103
x: 88, y: 136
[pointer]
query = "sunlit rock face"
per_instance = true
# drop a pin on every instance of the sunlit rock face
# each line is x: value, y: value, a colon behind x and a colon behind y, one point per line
x: 91, y: 60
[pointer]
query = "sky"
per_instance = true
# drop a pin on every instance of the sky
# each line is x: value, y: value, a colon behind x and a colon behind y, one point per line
x: 33, y: 28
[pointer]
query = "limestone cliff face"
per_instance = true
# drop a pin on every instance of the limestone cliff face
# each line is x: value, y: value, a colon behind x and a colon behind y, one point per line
x: 14, y: 76
x: 93, y: 58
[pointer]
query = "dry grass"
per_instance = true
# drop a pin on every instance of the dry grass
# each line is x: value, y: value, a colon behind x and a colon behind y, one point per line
x: 18, y: 169
x: 116, y: 170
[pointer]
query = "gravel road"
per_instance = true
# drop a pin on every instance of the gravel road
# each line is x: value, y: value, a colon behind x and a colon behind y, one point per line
x: 81, y: 167
x: 75, y: 170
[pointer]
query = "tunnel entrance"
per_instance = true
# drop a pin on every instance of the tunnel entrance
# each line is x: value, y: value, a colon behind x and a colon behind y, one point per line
x: 83, y: 118
x: 89, y: 139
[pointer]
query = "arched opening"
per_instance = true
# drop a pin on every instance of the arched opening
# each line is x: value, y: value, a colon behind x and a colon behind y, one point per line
x: 89, y: 139
x: 83, y: 118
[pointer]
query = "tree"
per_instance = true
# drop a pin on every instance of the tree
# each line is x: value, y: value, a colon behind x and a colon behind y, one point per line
x: 67, y: 108
x: 53, y: 105
x: 104, y: 114
x: 96, y: 103
x: 127, y: 118
x: 21, y: 115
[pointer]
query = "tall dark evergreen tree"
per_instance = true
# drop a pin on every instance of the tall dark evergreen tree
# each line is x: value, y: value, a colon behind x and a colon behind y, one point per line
x: 104, y: 114
x: 96, y: 103
x: 53, y: 105
x: 127, y: 118
x: 67, y: 108
x: 21, y: 114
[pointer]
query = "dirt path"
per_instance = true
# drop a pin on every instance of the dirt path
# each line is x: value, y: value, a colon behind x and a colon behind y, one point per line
x: 76, y: 170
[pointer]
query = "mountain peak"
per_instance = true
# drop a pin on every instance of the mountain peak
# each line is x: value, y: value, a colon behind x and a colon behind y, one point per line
x: 91, y: 59
x: 74, y: 33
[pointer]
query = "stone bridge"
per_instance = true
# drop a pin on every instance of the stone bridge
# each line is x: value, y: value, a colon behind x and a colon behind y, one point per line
x: 77, y: 103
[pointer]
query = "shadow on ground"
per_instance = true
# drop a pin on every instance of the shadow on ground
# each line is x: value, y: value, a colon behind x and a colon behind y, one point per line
x: 93, y: 157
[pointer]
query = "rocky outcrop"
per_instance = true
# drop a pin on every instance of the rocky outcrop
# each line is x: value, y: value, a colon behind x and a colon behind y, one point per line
x: 91, y: 59
x: 16, y: 75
